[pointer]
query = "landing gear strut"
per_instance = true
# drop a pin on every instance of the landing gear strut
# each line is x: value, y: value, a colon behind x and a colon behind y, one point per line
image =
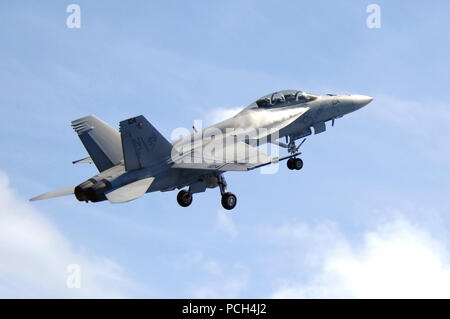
x: 184, y: 198
x: 294, y: 163
x: 229, y: 200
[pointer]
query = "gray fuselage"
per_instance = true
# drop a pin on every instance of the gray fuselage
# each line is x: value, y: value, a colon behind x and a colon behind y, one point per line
x: 293, y: 119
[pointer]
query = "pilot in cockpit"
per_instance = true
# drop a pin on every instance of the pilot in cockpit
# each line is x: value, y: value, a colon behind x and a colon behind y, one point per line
x: 277, y: 98
x: 285, y: 98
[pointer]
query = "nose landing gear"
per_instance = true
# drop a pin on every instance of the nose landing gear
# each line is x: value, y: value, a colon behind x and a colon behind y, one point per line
x: 295, y: 163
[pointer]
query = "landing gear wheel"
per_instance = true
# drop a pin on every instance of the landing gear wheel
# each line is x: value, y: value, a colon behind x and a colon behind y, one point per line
x: 298, y: 164
x: 229, y: 201
x: 290, y: 163
x: 184, y: 198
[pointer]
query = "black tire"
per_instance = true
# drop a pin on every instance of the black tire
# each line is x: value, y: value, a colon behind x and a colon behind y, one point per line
x: 298, y: 164
x: 184, y: 198
x: 290, y: 163
x: 229, y: 201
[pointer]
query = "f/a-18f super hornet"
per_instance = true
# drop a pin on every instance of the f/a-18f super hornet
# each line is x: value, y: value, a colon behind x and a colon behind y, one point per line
x: 137, y: 159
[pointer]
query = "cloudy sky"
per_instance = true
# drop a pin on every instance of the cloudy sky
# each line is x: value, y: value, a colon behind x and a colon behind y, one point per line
x: 368, y: 216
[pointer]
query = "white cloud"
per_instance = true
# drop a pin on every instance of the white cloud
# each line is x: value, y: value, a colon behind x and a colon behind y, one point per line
x: 396, y: 260
x: 34, y: 256
x: 216, y: 281
x: 414, y: 117
x: 225, y: 224
x: 422, y: 121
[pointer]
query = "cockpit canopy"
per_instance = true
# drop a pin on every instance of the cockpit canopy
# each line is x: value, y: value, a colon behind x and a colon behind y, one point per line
x: 283, y: 98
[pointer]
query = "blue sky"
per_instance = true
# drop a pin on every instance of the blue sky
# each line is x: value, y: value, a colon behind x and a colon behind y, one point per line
x: 367, y: 216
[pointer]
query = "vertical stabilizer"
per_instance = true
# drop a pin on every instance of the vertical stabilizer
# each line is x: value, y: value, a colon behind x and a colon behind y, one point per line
x: 143, y: 146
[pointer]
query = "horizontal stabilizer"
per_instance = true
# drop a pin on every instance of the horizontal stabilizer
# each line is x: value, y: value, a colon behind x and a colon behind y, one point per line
x: 130, y: 191
x: 83, y: 160
x: 55, y: 193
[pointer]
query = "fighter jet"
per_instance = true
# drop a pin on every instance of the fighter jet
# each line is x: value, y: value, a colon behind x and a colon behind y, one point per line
x: 137, y: 159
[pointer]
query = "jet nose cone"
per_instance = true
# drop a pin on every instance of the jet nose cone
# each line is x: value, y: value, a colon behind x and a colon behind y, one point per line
x: 361, y: 100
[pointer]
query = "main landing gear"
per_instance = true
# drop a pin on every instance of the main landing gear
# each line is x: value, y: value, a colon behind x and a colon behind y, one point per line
x: 229, y: 200
x: 184, y: 198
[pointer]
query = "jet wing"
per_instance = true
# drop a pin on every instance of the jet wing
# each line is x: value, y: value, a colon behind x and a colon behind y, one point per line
x: 233, y: 157
x: 130, y: 191
x: 248, y: 127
